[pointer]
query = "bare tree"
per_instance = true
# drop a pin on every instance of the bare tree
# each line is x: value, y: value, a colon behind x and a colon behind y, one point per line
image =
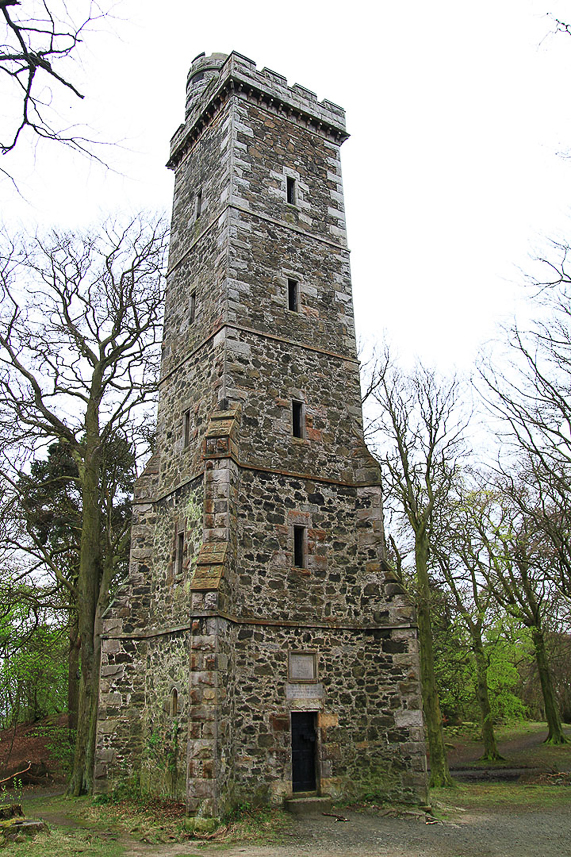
x: 463, y: 560
x: 419, y: 432
x: 532, y: 396
x: 39, y: 38
x: 79, y: 351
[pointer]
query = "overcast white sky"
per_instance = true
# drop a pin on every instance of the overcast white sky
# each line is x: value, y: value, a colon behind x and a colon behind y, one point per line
x: 458, y: 112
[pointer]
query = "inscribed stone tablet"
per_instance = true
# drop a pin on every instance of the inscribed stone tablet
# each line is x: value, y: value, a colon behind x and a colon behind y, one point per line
x: 302, y: 666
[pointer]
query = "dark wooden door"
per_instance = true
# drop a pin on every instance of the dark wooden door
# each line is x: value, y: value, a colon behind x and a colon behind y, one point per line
x: 303, y: 751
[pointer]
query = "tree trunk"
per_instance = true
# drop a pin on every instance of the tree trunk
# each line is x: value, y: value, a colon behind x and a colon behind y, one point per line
x: 73, y: 674
x: 491, y: 753
x: 81, y: 781
x: 555, y: 732
x: 439, y: 773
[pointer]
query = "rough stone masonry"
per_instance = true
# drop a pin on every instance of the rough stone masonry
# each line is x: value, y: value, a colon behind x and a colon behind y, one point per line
x: 260, y: 647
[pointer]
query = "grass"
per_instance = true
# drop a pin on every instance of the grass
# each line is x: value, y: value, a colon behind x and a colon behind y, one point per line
x: 60, y: 843
x: 82, y: 825
x: 520, y: 743
x: 499, y: 796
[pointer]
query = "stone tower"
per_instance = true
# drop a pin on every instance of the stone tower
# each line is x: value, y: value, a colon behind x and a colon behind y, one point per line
x: 259, y: 648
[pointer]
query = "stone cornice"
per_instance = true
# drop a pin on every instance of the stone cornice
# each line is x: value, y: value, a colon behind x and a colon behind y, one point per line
x: 340, y: 246
x: 255, y: 622
x: 251, y: 330
x: 252, y: 465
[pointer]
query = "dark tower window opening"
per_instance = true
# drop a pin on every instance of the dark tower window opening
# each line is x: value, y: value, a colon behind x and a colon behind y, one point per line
x: 199, y: 203
x: 192, y: 307
x: 293, y: 295
x: 174, y: 702
x: 290, y: 190
x: 179, y: 557
x: 297, y: 418
x: 299, y: 547
x: 303, y: 751
x: 186, y: 428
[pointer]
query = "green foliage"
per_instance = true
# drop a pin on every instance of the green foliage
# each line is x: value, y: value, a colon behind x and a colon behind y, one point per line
x: 33, y: 680
x: 162, y: 752
x: 453, y: 664
x: 13, y: 794
x: 508, y: 649
x: 506, y: 654
x: 60, y: 745
x: 50, y: 499
x: 128, y: 790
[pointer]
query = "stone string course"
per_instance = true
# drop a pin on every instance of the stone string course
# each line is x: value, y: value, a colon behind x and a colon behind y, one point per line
x: 196, y: 699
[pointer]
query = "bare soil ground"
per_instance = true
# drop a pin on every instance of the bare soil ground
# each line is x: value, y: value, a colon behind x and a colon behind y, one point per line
x: 36, y: 744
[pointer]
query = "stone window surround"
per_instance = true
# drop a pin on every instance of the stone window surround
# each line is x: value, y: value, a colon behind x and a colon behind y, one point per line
x: 284, y: 279
x: 291, y: 176
x: 179, y: 551
x: 292, y: 294
x: 291, y: 190
x: 299, y: 546
x: 298, y: 418
x: 186, y: 427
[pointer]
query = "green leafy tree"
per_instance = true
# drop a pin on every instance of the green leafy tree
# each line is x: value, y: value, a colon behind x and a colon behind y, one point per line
x: 518, y: 578
x: 33, y: 679
x: 463, y: 560
x: 48, y: 503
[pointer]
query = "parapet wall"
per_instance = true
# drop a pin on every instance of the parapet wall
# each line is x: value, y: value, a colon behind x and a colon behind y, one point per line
x: 239, y: 74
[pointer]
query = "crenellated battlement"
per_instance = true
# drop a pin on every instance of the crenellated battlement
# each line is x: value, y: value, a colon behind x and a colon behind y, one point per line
x: 212, y: 79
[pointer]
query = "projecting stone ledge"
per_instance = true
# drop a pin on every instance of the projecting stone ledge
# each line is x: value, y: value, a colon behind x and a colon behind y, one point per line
x: 308, y: 805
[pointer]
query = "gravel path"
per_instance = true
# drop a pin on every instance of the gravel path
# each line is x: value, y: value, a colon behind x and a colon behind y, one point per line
x: 500, y: 833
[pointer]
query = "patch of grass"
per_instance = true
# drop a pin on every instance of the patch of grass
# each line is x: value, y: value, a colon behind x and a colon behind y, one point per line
x: 59, y: 843
x: 154, y: 821
x: 520, y: 743
x: 501, y: 796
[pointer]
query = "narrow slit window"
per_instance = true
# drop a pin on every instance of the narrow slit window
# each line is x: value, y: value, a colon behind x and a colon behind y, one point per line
x: 299, y: 547
x: 290, y: 190
x: 293, y: 295
x: 192, y: 307
x: 174, y: 702
x: 186, y: 428
x: 179, y: 554
x: 297, y: 418
x: 199, y: 203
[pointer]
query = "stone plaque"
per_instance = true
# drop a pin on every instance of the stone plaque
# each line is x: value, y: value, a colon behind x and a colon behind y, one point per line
x: 304, y: 691
x: 302, y: 666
